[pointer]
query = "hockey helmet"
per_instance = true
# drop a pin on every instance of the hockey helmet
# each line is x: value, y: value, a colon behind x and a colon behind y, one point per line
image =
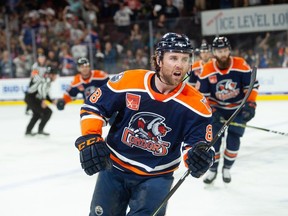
x: 51, y: 70
x: 205, y: 47
x: 220, y: 42
x: 173, y: 42
x: 82, y: 61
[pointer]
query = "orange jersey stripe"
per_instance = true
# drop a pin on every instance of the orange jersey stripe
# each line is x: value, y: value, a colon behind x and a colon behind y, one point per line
x: 135, y: 170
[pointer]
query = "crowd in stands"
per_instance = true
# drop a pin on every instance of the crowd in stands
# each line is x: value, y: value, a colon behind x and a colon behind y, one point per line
x: 113, y: 34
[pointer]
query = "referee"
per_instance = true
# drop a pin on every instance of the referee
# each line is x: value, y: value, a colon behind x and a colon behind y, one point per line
x: 37, y: 94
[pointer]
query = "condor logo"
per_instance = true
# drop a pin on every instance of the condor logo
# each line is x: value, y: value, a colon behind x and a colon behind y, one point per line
x: 226, y: 89
x: 145, y: 131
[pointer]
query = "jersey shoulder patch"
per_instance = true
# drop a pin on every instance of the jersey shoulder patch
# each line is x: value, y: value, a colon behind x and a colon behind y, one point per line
x: 130, y: 79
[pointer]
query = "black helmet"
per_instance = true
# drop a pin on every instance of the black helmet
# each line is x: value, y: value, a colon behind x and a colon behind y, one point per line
x: 204, y: 47
x: 173, y: 42
x: 82, y: 61
x: 221, y: 42
x: 51, y: 70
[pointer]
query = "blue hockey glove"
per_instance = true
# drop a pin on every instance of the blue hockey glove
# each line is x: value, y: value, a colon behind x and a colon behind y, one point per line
x: 248, y: 111
x: 199, y: 159
x: 60, y: 104
x: 94, y: 153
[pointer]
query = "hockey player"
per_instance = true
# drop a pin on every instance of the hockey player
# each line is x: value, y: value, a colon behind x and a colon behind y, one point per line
x: 85, y: 82
x: 37, y: 94
x: 224, y: 81
x: 157, y: 113
x: 197, y: 66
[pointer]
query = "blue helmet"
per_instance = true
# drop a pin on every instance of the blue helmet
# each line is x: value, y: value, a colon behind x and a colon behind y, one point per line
x: 173, y: 42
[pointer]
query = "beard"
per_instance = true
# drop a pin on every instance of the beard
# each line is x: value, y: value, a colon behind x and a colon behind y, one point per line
x: 223, y: 63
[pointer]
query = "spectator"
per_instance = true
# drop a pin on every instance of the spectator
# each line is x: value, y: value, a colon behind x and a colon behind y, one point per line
x: 110, y: 57
x: 122, y: 19
x: 285, y: 59
x: 67, y: 62
x: 7, y: 66
x: 22, y: 65
x: 79, y: 49
x: 171, y: 12
x: 128, y: 61
x: 136, y: 37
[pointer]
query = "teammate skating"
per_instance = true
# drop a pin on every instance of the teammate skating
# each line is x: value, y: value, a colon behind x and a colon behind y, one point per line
x: 84, y: 83
x: 224, y: 81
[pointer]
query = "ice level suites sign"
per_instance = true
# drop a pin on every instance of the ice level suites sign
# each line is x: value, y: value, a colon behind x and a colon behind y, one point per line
x: 244, y: 20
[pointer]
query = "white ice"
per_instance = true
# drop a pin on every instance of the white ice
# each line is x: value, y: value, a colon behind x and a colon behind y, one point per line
x: 42, y: 176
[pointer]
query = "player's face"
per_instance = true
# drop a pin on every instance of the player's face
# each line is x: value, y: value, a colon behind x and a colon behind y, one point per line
x: 85, y: 70
x: 205, y: 55
x: 53, y: 77
x: 222, y: 56
x: 174, y: 67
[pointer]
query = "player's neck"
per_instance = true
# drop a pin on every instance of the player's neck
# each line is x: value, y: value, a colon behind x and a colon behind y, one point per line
x: 161, y: 86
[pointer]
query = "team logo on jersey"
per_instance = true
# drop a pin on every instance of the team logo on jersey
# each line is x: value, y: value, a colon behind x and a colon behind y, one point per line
x: 116, y: 77
x: 226, y: 89
x: 99, y: 210
x: 145, y: 131
x: 133, y: 101
x: 212, y: 79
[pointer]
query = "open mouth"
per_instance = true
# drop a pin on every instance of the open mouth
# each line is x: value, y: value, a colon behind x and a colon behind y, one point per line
x: 177, y: 73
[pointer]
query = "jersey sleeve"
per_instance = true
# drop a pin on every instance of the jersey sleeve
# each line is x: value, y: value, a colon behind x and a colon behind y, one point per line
x: 99, y: 108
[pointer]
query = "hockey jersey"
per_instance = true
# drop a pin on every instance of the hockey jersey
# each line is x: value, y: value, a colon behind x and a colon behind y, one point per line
x: 150, y: 128
x: 226, y: 89
x: 196, y: 70
x: 85, y: 87
x: 40, y: 87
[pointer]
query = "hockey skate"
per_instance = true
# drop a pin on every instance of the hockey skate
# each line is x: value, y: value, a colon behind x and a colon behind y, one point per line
x: 210, y: 177
x: 30, y: 134
x: 226, y: 175
x: 42, y: 133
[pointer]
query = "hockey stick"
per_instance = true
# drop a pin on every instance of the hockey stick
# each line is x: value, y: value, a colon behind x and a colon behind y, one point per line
x: 214, y: 140
x: 258, y: 128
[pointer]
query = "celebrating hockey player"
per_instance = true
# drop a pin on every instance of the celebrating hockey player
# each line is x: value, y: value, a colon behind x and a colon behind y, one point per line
x: 159, y: 115
x: 197, y: 66
x: 224, y: 81
x: 85, y: 82
x: 36, y: 96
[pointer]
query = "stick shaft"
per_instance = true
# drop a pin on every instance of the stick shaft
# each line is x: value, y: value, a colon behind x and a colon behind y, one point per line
x: 258, y: 128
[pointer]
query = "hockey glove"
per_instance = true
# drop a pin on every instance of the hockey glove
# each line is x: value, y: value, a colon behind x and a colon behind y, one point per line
x: 199, y: 159
x: 94, y: 153
x: 60, y: 104
x: 248, y: 111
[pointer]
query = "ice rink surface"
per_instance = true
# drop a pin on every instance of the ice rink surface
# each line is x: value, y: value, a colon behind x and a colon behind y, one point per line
x: 42, y: 176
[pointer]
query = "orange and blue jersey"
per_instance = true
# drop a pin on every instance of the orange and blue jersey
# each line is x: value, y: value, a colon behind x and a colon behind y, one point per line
x: 225, y: 89
x: 196, y: 70
x: 147, y: 135
x: 85, y: 86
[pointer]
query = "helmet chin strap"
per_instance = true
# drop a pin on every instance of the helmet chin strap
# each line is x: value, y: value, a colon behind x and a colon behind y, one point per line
x: 158, y: 75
